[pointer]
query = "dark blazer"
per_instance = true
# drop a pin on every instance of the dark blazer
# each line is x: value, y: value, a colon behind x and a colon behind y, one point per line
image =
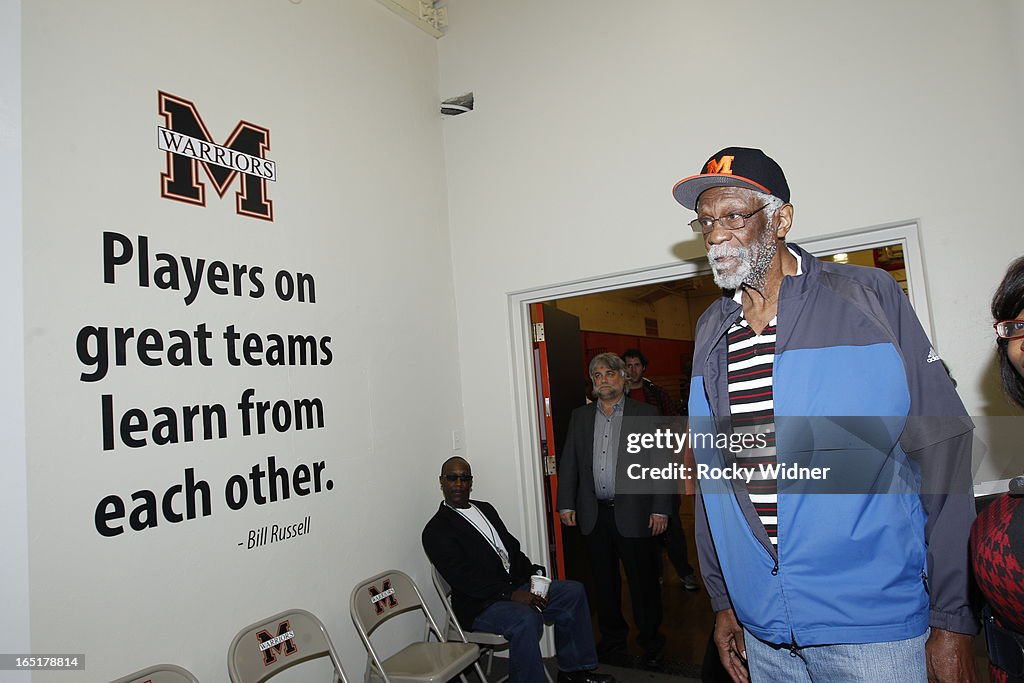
x: 576, y: 475
x: 468, y: 563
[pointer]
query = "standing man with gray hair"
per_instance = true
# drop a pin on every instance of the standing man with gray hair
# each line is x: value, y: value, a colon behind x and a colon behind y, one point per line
x: 616, y: 526
x: 820, y: 584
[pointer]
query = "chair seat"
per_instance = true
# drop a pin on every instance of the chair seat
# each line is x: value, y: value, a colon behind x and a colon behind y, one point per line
x: 481, y: 637
x: 430, y: 662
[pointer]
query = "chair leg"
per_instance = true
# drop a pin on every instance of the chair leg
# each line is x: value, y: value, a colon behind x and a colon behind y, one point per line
x: 490, y: 663
x: 548, y: 674
x: 480, y: 673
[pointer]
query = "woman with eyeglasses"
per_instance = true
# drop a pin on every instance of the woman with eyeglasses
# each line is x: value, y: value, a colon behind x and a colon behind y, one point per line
x: 997, y: 538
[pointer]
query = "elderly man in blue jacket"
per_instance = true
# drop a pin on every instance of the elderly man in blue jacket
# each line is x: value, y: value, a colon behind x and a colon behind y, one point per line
x: 861, y: 577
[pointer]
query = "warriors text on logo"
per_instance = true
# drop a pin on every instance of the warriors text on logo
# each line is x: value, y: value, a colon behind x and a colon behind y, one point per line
x: 282, y: 644
x: 189, y: 145
x: 385, y: 596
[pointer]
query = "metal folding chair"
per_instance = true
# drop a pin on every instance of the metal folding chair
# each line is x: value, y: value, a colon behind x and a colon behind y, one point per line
x: 161, y: 673
x: 264, y: 649
x: 388, y: 595
x: 488, y: 642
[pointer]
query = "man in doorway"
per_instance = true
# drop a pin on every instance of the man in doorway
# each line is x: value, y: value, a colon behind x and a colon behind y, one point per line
x: 617, y: 527
x: 469, y: 545
x: 811, y: 585
x: 642, y: 389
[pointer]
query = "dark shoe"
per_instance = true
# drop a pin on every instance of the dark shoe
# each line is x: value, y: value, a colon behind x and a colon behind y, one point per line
x: 584, y: 677
x: 653, y: 654
x: 690, y: 583
x: 653, y: 660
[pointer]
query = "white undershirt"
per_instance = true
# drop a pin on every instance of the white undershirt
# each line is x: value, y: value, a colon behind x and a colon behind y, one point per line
x: 483, y: 526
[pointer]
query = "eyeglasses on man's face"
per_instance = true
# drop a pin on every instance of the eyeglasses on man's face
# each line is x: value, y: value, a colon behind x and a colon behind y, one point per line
x: 730, y: 221
x: 465, y: 478
x: 1009, y: 329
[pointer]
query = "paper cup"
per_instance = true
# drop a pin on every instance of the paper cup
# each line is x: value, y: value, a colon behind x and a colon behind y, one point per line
x: 539, y: 585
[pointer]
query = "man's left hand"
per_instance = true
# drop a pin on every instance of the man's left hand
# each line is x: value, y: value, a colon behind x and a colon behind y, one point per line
x: 529, y: 599
x: 658, y: 524
x: 950, y: 657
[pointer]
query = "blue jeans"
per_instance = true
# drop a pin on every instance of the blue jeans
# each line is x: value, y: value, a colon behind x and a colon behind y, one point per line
x: 897, y: 661
x: 523, y: 626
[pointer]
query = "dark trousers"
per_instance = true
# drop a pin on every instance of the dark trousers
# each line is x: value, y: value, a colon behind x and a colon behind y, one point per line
x: 523, y: 626
x: 674, y: 540
x: 640, y: 559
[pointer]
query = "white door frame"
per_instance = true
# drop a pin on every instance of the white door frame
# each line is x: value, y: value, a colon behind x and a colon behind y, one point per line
x: 531, y: 484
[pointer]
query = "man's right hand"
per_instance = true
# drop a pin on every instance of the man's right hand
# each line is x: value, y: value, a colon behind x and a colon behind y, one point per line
x: 568, y: 517
x: 529, y: 599
x: 731, y: 648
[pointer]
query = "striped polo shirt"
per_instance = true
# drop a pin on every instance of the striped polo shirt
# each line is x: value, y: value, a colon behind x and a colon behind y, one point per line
x: 751, y: 364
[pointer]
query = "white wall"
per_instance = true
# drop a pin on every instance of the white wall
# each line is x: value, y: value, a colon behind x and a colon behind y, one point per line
x: 14, y: 576
x: 349, y: 93
x: 587, y: 112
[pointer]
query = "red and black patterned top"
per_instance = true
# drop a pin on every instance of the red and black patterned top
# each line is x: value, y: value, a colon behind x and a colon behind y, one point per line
x: 997, y: 552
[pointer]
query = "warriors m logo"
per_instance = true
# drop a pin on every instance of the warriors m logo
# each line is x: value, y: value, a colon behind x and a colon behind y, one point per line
x: 282, y: 644
x: 189, y: 145
x: 383, y: 597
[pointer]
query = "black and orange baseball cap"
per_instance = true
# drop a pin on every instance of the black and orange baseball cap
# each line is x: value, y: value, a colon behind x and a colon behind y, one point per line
x: 734, y: 167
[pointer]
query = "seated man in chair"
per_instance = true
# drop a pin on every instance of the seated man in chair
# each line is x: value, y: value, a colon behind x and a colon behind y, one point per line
x: 469, y: 545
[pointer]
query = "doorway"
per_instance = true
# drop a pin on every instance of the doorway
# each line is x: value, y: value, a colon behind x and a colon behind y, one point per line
x: 658, y: 308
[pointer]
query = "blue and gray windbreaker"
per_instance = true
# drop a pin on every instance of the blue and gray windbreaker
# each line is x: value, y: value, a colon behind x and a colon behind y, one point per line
x: 857, y: 387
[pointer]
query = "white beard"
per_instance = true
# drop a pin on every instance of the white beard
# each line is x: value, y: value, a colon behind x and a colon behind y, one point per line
x: 734, y: 279
x: 753, y: 263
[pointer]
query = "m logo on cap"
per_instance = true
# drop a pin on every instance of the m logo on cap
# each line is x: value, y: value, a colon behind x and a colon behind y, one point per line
x: 721, y: 166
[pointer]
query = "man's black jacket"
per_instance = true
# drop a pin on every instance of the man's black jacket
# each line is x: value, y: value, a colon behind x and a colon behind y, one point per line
x: 469, y: 563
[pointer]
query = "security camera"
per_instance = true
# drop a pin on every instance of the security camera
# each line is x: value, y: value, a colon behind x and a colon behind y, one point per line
x: 457, y: 105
